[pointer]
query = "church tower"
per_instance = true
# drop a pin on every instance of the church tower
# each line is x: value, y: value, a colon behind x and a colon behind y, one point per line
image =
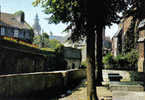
x: 36, y: 26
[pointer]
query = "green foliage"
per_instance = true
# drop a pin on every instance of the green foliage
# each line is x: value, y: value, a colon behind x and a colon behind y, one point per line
x: 124, y: 62
x: 84, y: 63
x: 108, y: 61
x: 59, y: 49
x: 41, y: 40
x: 54, y: 44
x: 137, y: 77
x: 44, y: 42
x: 48, y: 49
x: 19, y: 12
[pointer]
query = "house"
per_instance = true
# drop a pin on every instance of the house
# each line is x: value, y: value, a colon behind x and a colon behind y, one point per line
x: 15, y: 26
x: 121, y: 37
x: 141, y: 46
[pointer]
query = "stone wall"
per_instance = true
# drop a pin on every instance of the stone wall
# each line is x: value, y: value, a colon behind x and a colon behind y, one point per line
x: 141, y: 49
x: 17, y: 58
x: 126, y: 75
x: 15, y: 61
x: 39, y: 84
x: 72, y: 56
x: 70, y: 62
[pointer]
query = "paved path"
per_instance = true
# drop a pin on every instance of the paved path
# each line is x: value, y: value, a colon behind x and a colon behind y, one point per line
x: 80, y: 92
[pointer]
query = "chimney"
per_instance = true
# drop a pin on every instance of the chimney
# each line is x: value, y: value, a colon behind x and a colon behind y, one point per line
x: 20, y: 16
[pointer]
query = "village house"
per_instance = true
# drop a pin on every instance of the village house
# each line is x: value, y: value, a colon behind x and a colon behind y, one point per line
x: 138, y: 33
x: 15, y: 26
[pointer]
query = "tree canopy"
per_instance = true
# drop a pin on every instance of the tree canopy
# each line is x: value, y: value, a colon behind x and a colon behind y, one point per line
x: 78, y: 12
x: 44, y: 42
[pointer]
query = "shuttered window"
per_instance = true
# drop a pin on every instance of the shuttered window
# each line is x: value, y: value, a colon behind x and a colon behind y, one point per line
x: 16, y: 33
x: 2, y: 31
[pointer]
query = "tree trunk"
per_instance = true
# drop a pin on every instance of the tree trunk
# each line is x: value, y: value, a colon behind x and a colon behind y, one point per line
x: 91, y: 87
x: 99, y: 55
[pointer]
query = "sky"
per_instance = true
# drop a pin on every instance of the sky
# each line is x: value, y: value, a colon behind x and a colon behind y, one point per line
x: 11, y: 6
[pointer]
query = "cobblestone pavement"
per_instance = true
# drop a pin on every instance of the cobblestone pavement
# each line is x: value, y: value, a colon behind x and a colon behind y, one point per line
x: 80, y: 92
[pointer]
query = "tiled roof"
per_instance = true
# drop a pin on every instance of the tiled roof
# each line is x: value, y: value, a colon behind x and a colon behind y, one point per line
x: 11, y: 21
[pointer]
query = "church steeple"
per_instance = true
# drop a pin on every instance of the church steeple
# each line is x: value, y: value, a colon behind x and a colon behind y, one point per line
x: 36, y: 25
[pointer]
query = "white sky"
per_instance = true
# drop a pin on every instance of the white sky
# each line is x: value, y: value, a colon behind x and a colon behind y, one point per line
x: 11, y: 6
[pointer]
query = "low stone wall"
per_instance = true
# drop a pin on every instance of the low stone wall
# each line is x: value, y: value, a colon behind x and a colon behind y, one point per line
x: 125, y: 74
x: 38, y: 84
x: 128, y: 95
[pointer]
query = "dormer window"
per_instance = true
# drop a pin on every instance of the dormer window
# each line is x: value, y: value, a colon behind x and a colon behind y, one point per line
x: 2, y: 31
x: 16, y: 33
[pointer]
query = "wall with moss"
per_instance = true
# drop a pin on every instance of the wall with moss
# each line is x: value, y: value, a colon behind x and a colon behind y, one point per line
x: 17, y: 58
x: 15, y: 61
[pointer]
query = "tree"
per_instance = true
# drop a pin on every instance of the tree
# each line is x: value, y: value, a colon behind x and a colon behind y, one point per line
x: 44, y: 42
x: 41, y: 40
x: 54, y: 43
x: 84, y: 23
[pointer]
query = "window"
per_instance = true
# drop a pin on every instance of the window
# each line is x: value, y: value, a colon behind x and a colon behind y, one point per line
x: 16, y: 32
x: 2, y: 31
x: 21, y: 34
x: 27, y: 35
x: 9, y: 32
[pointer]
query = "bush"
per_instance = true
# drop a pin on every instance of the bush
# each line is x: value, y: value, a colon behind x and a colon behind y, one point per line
x: 121, y: 62
x: 108, y: 61
x: 83, y: 64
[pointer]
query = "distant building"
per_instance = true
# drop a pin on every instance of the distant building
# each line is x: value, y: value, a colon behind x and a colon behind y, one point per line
x: 117, y: 41
x: 107, y: 45
x: 61, y: 39
x: 36, y: 26
x: 14, y: 25
x: 78, y: 45
x: 73, y: 57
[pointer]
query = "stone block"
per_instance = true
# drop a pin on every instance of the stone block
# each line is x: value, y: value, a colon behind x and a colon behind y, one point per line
x: 125, y: 87
x: 128, y: 95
